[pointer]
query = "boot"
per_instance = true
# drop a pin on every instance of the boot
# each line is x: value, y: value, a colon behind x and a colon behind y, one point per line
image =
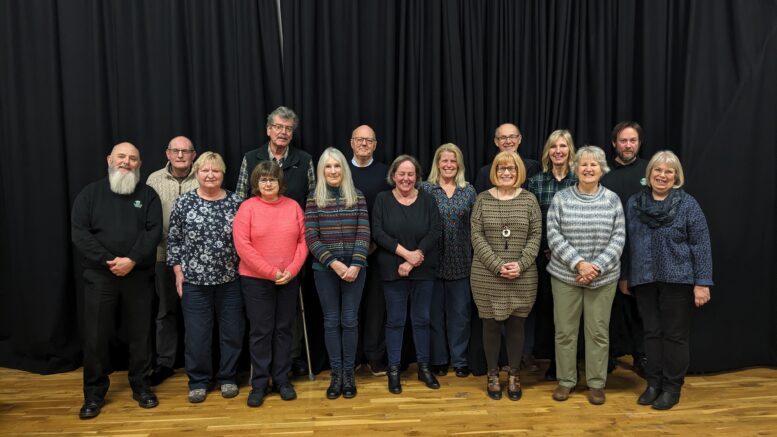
x: 335, y: 384
x: 394, y: 385
x: 514, y: 391
x: 349, y: 384
x: 493, y: 388
x: 425, y: 374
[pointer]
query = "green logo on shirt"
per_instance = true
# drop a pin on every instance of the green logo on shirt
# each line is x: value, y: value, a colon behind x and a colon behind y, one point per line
x: 138, y: 204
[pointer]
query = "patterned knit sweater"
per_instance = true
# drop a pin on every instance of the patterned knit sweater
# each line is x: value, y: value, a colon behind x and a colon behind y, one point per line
x: 336, y: 232
x: 586, y: 227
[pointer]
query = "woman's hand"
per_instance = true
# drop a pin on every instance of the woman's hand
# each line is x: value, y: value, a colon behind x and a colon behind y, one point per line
x: 510, y: 270
x: 351, y: 273
x: 404, y: 269
x: 586, y: 272
x: 283, y: 278
x: 339, y: 268
x: 701, y: 295
x: 178, y: 279
x: 415, y: 257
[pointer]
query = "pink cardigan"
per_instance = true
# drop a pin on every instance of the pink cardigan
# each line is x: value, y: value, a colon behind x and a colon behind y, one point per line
x: 269, y: 237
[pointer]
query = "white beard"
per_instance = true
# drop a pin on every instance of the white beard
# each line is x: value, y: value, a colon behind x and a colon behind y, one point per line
x: 123, y: 183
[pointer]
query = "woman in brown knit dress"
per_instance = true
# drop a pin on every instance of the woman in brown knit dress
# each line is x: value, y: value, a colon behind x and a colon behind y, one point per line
x: 506, y: 232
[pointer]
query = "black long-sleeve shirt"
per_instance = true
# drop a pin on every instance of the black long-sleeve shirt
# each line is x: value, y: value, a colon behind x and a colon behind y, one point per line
x: 105, y: 225
x: 416, y: 226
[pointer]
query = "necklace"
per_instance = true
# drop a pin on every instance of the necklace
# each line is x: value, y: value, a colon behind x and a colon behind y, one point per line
x: 505, y: 229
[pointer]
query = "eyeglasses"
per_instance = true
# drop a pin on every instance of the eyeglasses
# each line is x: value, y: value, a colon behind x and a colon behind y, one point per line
x: 267, y: 181
x: 282, y: 128
x: 359, y: 140
x: 506, y: 170
x: 180, y: 151
x: 504, y: 138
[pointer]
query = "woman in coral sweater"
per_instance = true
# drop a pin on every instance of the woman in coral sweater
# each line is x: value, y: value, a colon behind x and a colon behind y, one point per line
x: 269, y: 235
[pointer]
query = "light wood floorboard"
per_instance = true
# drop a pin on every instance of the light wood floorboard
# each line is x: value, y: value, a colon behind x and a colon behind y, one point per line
x: 740, y: 403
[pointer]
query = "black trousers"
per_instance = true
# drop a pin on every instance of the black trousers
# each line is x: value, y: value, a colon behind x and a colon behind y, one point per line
x: 372, y: 315
x: 271, y: 310
x: 666, y: 312
x: 626, y: 330
x: 544, y: 329
x: 166, y: 316
x: 106, y: 299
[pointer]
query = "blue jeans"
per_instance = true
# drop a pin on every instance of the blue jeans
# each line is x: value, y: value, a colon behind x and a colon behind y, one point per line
x: 450, y: 317
x: 199, y: 303
x: 397, y: 293
x: 340, y: 305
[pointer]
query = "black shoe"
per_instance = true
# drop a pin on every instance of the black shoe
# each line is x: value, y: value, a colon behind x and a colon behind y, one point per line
x: 90, y: 409
x: 529, y: 363
x: 335, y: 384
x: 425, y: 375
x: 256, y: 397
x: 394, y: 384
x: 462, y: 372
x: 640, y: 365
x: 550, y: 374
x: 377, y: 368
x: 287, y: 391
x: 666, y: 401
x: 439, y: 369
x: 146, y: 399
x: 649, y: 396
x: 349, y: 384
x: 299, y: 368
x: 160, y: 374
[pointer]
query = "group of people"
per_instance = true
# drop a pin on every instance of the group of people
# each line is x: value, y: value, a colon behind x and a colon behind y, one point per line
x: 535, y: 246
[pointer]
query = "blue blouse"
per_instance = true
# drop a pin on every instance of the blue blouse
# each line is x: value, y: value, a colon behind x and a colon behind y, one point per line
x: 678, y: 253
x: 455, y: 244
x: 200, y: 238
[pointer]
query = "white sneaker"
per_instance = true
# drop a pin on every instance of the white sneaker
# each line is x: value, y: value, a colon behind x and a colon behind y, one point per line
x: 197, y: 395
x: 229, y: 390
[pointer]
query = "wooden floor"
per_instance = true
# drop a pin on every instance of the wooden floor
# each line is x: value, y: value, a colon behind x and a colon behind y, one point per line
x: 737, y: 403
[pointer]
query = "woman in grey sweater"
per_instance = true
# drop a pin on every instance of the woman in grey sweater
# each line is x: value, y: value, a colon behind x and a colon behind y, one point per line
x: 586, y: 235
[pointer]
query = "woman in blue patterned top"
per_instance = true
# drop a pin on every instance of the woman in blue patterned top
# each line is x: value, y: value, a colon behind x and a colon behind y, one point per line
x: 337, y: 232
x: 450, y: 310
x: 558, y: 153
x: 204, y: 260
x: 670, y: 271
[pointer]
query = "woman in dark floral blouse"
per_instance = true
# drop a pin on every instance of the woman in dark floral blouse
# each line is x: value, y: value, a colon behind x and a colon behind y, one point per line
x: 204, y: 260
x: 450, y: 310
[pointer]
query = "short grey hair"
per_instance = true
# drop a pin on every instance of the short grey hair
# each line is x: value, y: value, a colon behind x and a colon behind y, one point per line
x: 395, y: 165
x: 593, y: 151
x: 284, y: 113
x: 670, y: 159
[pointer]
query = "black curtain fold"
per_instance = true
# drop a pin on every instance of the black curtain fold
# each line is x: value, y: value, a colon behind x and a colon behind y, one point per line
x: 77, y: 76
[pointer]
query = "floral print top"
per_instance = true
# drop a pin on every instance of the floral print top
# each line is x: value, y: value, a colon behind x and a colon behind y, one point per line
x: 200, y: 238
x: 455, y: 245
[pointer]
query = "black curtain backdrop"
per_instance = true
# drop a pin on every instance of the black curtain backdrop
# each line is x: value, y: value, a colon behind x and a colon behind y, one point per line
x: 79, y: 76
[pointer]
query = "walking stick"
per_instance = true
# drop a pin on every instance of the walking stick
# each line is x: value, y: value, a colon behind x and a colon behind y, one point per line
x: 311, y: 376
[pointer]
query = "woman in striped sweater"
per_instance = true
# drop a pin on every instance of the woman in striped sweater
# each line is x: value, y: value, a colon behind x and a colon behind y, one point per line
x: 586, y: 234
x: 337, y: 232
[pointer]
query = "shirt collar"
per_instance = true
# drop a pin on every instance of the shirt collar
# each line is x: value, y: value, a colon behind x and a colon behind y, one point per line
x: 353, y: 161
x: 272, y: 157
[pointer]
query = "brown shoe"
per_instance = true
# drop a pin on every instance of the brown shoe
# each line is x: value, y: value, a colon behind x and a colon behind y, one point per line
x: 596, y: 396
x: 561, y: 393
x: 514, y: 391
x: 493, y: 388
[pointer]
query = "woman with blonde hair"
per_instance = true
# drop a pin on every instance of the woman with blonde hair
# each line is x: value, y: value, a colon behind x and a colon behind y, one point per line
x: 450, y: 309
x: 337, y: 232
x: 670, y: 271
x: 506, y: 232
x: 557, y: 155
x: 201, y: 252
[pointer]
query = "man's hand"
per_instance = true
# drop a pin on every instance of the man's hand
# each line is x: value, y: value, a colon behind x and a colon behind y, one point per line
x: 121, y: 266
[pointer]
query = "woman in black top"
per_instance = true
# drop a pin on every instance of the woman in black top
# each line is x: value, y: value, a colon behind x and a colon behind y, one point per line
x: 406, y: 226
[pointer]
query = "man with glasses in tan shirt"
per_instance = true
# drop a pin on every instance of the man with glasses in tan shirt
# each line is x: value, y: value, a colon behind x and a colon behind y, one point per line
x: 169, y: 182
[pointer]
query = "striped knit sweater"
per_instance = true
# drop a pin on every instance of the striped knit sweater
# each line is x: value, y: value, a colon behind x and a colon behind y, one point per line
x: 586, y: 227
x: 336, y: 232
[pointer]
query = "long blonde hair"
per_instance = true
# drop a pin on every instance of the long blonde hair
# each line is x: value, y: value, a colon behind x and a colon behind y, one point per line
x: 434, y: 174
x: 347, y: 189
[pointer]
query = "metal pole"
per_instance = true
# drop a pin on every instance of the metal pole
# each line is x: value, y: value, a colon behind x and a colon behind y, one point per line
x: 311, y: 376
